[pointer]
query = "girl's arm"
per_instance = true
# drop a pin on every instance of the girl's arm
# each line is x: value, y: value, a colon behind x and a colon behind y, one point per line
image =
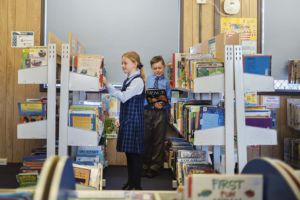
x: 135, y: 88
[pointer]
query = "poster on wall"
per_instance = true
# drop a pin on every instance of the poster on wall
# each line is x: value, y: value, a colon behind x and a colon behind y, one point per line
x: 22, y: 39
x: 246, y: 26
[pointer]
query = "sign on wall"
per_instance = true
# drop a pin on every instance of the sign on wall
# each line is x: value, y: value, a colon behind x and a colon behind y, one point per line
x: 22, y: 39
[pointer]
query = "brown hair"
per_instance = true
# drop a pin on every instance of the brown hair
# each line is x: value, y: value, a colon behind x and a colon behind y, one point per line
x: 134, y: 57
x: 157, y: 59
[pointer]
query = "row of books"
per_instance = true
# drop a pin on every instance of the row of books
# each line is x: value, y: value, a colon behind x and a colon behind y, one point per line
x: 294, y: 71
x: 88, y: 165
x: 31, y: 167
x: 294, y: 114
x: 292, y: 151
x: 32, y: 110
x: 188, y: 67
x: 196, y: 115
x: 184, y: 160
x: 258, y: 116
x: 84, y: 117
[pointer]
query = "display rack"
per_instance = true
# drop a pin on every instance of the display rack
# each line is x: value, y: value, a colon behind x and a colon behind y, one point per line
x: 42, y: 75
x: 233, y: 84
x: 220, y: 136
x: 71, y: 81
x: 247, y: 135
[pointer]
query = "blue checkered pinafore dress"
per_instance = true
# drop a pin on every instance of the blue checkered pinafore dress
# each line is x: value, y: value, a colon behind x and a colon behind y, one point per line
x: 131, y: 131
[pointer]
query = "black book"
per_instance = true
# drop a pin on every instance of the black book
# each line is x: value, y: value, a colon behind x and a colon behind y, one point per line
x: 156, y: 95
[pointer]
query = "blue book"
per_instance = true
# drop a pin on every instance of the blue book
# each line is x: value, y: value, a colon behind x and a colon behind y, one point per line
x: 257, y: 64
x: 211, y: 117
x: 34, y: 158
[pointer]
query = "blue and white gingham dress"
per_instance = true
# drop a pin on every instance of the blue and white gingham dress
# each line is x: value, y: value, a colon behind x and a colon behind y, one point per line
x: 131, y: 132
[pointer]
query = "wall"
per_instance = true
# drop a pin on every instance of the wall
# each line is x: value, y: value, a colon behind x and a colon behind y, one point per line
x: 202, y: 22
x: 112, y: 27
x: 19, y: 15
x: 281, y: 34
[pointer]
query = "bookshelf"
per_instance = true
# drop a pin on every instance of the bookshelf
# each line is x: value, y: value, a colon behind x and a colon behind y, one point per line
x: 247, y: 135
x: 233, y: 84
x: 220, y: 136
x: 70, y: 81
x: 42, y: 75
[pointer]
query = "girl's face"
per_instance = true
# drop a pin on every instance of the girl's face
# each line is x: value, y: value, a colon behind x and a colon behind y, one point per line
x: 128, y: 66
x: 158, y: 69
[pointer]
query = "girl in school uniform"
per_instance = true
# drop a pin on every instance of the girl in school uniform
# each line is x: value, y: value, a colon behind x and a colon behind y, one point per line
x: 131, y: 120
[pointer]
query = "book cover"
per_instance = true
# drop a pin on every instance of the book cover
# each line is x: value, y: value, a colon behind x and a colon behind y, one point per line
x: 257, y: 64
x: 225, y: 187
x: 208, y: 71
x: 259, y: 122
x: 82, y: 175
x: 90, y: 65
x: 34, y: 57
x: 211, y: 117
x: 85, y: 121
x: 27, y: 179
x: 156, y: 95
x: 32, y: 108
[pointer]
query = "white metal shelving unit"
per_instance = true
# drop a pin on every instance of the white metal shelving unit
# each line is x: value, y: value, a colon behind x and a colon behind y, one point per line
x: 220, y: 136
x: 42, y: 75
x: 69, y: 136
x: 247, y: 135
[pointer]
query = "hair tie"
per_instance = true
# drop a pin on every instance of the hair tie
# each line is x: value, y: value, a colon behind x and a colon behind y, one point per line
x: 140, y: 66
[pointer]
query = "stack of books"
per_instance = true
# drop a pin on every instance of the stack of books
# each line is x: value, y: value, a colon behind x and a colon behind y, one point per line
x: 187, y: 67
x: 196, y: 115
x: 31, y: 167
x: 258, y: 116
x: 34, y: 57
x: 32, y: 110
x: 191, y: 162
x: 84, y: 117
x: 90, y: 155
x: 173, y: 145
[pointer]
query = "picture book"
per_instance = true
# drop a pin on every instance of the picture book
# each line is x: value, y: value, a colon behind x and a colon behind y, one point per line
x: 211, y: 117
x: 82, y: 175
x: 32, y: 108
x: 34, y: 57
x: 89, y: 64
x: 27, y: 179
x: 156, y: 96
x: 110, y: 106
x: 257, y: 64
x: 85, y: 121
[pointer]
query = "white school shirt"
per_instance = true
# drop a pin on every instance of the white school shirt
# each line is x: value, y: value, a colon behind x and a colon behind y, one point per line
x: 136, y: 87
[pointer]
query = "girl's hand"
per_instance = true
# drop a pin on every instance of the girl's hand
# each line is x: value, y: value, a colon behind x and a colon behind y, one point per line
x: 117, y: 123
